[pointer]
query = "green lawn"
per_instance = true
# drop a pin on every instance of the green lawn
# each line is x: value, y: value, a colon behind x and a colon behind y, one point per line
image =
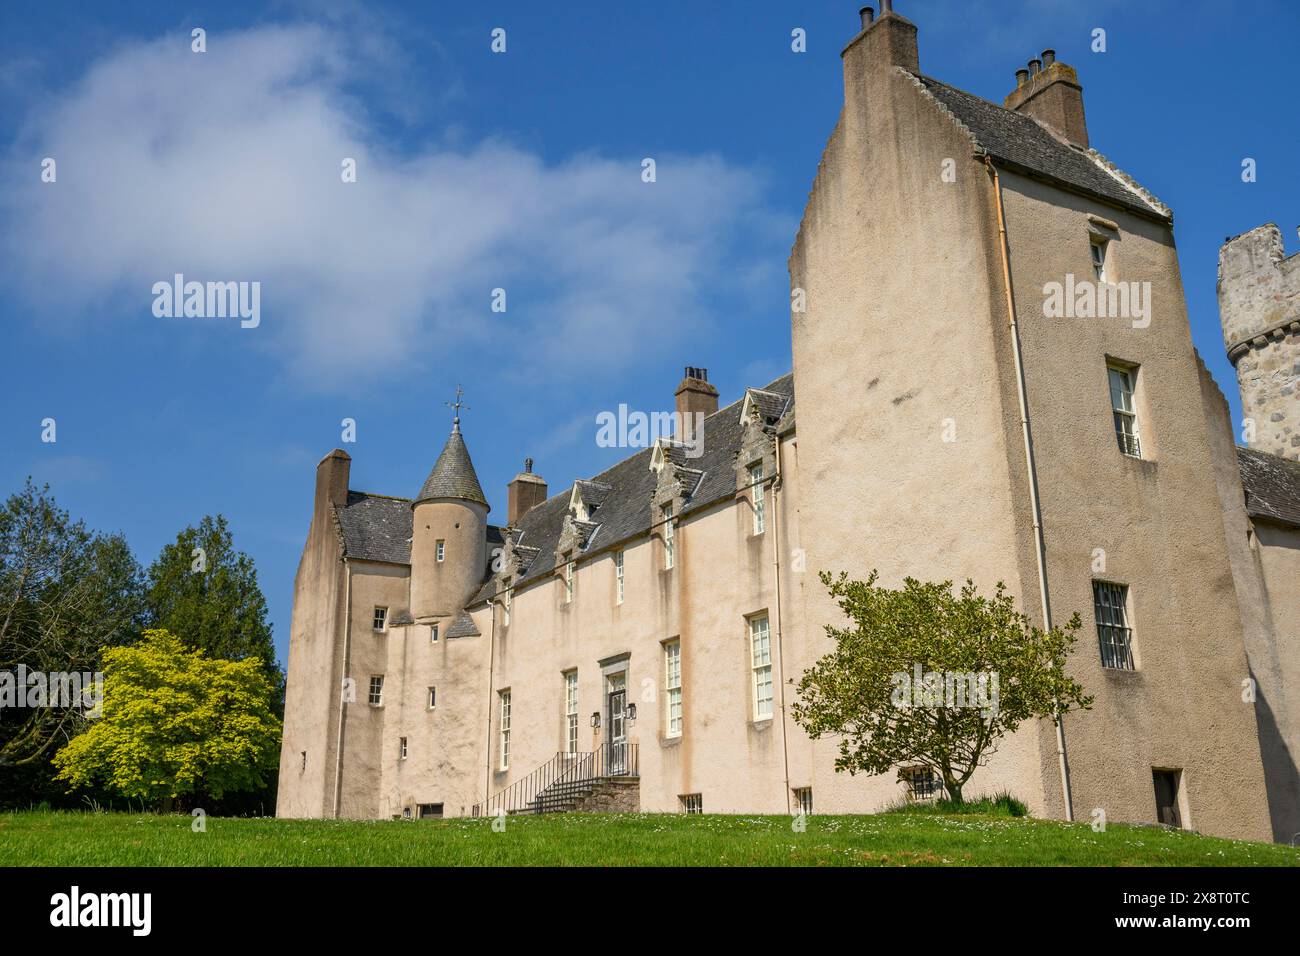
x: 890, y: 839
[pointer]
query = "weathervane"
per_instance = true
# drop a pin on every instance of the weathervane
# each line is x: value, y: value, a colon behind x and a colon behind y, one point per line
x: 456, y: 406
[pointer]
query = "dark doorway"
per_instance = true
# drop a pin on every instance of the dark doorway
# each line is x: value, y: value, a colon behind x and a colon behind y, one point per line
x: 1166, y: 782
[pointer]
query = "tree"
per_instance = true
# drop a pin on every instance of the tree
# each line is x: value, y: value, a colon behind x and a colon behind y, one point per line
x: 66, y: 594
x: 206, y: 593
x: 176, y: 725
x: 925, y: 677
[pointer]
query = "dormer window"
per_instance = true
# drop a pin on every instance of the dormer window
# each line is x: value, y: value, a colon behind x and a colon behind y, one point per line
x: 759, y: 497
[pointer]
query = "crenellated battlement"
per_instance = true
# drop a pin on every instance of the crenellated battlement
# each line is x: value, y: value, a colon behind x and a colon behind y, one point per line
x: 1259, y: 308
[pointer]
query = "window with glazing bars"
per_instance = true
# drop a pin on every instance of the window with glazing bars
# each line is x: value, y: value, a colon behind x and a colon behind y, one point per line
x: 1121, y: 403
x: 571, y: 712
x: 1113, y: 632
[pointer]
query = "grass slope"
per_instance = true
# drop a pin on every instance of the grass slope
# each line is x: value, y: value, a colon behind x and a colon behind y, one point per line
x: 889, y: 839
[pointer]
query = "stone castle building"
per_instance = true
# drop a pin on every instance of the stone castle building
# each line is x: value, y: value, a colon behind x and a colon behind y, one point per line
x: 629, y: 641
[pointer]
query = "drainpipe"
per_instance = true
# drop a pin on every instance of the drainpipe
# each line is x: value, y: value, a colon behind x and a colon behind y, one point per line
x: 343, y: 704
x: 491, y: 701
x: 1040, y: 546
x: 780, y: 646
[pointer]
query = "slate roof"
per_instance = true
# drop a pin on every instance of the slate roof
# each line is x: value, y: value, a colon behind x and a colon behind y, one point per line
x: 453, y: 474
x: 378, y: 528
x: 1272, y: 486
x: 463, y: 626
x: 625, y: 511
x: 1020, y: 141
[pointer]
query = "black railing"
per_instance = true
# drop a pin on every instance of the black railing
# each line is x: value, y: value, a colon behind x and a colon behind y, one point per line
x: 562, y: 781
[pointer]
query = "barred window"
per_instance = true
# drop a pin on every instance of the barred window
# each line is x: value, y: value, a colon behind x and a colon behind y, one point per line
x: 760, y: 647
x: 376, y: 690
x: 922, y: 783
x: 803, y: 799
x: 673, y: 686
x: 1110, y: 602
x: 1122, y: 382
x: 692, y: 802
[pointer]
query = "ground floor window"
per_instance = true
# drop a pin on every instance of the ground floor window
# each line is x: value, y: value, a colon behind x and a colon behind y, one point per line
x: 692, y: 802
x: 922, y: 784
x: 430, y: 810
x: 803, y: 800
x: 1167, y: 788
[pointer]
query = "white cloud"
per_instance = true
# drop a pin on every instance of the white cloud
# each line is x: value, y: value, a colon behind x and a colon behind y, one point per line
x: 225, y: 166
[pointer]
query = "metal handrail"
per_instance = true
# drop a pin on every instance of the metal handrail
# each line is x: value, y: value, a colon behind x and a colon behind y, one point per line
x: 555, y: 781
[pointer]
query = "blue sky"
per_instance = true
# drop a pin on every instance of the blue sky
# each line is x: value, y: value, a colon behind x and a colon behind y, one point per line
x: 478, y: 171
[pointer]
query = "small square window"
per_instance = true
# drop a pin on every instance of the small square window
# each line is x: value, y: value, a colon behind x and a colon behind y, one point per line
x: 380, y: 621
x: 923, y: 784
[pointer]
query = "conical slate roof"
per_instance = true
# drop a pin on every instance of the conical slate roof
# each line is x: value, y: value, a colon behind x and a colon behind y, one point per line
x: 453, y: 474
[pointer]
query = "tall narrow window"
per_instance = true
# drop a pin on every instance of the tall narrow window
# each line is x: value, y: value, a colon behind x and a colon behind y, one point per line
x: 433, y: 697
x: 505, y: 729
x: 568, y: 581
x: 433, y: 634
x: 668, y: 536
x: 1110, y: 601
x: 760, y: 503
x: 673, y: 687
x: 760, y: 649
x: 1122, y: 381
x: 1099, y: 258
x: 803, y: 800
x: 403, y: 747
x: 505, y: 605
x: 442, y: 549
x: 618, y: 575
x: 376, y: 690
x: 380, y: 621
x: 571, y: 712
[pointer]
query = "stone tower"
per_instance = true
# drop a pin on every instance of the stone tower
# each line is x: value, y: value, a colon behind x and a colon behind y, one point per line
x: 448, y: 534
x: 1259, y: 307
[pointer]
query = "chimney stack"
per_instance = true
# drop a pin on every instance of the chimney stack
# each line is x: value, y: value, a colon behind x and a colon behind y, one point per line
x: 696, y: 400
x: 1049, y: 91
x: 332, y: 481
x: 524, y: 494
x: 883, y: 43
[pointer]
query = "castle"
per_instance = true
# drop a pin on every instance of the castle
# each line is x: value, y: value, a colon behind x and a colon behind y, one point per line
x: 628, y: 642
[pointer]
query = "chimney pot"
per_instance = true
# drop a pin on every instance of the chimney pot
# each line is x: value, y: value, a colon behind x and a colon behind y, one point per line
x: 1022, y: 77
x: 1034, y: 67
x: 528, y: 465
x: 1049, y: 57
x: 867, y: 15
x: 886, y: 7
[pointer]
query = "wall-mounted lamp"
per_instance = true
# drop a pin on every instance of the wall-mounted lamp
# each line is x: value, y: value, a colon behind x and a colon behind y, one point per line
x: 595, y: 720
x: 631, y: 712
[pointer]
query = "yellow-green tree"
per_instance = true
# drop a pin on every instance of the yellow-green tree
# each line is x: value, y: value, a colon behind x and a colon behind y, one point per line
x: 177, y: 725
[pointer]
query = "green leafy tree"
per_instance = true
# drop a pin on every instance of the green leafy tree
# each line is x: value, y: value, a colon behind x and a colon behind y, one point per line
x: 177, y: 725
x: 66, y: 594
x: 206, y: 593
x: 865, y: 691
